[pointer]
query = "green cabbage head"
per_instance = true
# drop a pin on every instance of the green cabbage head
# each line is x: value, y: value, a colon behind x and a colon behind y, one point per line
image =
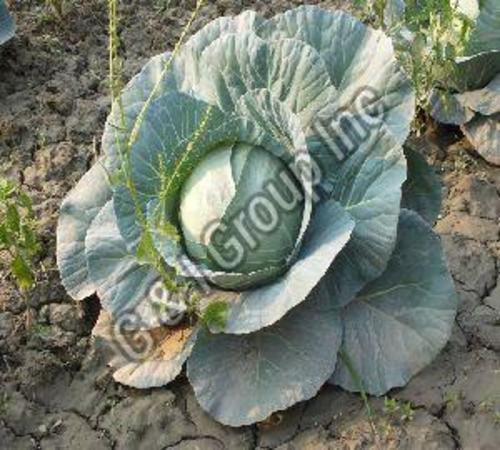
x: 248, y: 219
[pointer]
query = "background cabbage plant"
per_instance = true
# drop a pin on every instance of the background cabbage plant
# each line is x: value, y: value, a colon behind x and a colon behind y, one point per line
x: 475, y: 104
x: 7, y: 26
x: 353, y: 269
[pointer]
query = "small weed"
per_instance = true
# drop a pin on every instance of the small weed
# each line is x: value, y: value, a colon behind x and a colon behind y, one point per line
x: 402, y: 411
x: 407, y: 412
x: 428, y: 36
x: 18, y: 241
x: 496, y: 418
x: 452, y: 399
x: 391, y: 406
x: 41, y: 330
x: 215, y: 315
x: 4, y: 403
x: 57, y: 7
x: 162, y: 5
x: 386, y: 429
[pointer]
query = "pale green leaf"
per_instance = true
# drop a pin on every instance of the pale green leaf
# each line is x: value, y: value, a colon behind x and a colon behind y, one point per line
x: 400, y: 322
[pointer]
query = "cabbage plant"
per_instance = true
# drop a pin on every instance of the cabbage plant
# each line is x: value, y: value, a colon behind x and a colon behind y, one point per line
x: 475, y: 104
x: 7, y: 26
x: 247, y: 218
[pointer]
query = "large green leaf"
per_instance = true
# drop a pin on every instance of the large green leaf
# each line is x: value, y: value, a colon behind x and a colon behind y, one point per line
x: 476, y: 71
x: 485, y: 101
x: 484, y: 134
x: 368, y: 185
x: 358, y: 59
x: 126, y: 212
x: 399, y: 323
x: 328, y: 232
x: 120, y: 122
x: 188, y: 69
x: 422, y: 191
x: 7, y: 25
x: 448, y: 109
x: 241, y: 380
x: 486, y: 34
x: 143, y: 359
x: 78, y: 210
x: 122, y: 284
x: 290, y: 70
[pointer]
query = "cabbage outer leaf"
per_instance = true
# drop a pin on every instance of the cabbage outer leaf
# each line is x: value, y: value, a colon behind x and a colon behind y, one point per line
x: 448, y: 108
x: 241, y: 380
x: 484, y: 134
x: 486, y: 35
x: 484, y: 101
x: 84, y: 202
x: 422, y: 191
x: 187, y: 69
x: 368, y: 185
x: 122, y: 284
x: 400, y: 322
x: 133, y: 97
x: 78, y: 210
x: 144, y: 359
x: 7, y: 25
x: 476, y: 71
x: 355, y: 56
x: 290, y: 70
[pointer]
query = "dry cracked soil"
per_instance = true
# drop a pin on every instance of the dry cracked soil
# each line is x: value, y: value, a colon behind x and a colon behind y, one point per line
x: 57, y: 394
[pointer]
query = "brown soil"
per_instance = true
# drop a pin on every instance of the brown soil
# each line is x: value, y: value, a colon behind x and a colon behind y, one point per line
x: 56, y: 394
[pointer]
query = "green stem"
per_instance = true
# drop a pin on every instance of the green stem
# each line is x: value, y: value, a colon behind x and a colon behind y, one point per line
x: 359, y: 386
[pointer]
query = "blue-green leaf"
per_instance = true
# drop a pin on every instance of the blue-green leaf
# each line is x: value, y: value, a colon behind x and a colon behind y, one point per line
x: 7, y: 25
x: 447, y: 108
x: 486, y: 34
x: 357, y: 58
x: 144, y: 359
x: 476, y: 71
x: 188, y: 68
x: 78, y: 210
x: 422, y: 191
x: 120, y: 122
x: 400, y: 322
x: 484, y: 134
x: 123, y: 285
x: 485, y: 101
x: 290, y: 70
x: 240, y: 380
x: 368, y: 185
